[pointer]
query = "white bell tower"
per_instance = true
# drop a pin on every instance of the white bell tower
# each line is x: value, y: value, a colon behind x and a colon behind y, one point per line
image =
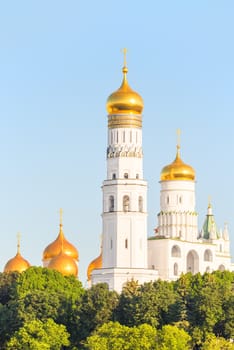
x: 124, y: 193
x: 178, y: 217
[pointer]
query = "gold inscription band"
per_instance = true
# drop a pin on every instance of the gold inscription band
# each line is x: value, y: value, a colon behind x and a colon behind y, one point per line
x: 124, y: 121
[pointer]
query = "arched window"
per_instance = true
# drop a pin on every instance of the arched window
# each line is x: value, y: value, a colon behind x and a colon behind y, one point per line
x: 126, y: 175
x: 126, y: 244
x: 140, y: 203
x: 175, y: 269
x: 208, y: 255
x: 167, y: 199
x: 192, y: 262
x: 114, y: 176
x: 126, y: 203
x: 175, y: 251
x: 111, y: 203
x: 221, y: 267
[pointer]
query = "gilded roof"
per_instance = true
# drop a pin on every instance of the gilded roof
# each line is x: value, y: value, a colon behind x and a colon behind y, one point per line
x: 18, y: 263
x: 95, y: 264
x: 124, y: 100
x: 65, y: 264
x: 177, y: 170
x: 54, y: 248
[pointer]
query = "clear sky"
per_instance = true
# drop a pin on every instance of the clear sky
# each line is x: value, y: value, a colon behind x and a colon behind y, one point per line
x: 59, y: 61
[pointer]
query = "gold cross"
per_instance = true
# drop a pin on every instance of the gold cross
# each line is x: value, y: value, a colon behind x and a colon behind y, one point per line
x: 18, y: 242
x: 61, y: 215
x: 125, y: 56
x: 178, y: 132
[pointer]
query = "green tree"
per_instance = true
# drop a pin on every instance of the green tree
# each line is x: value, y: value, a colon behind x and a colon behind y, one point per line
x: 205, y: 305
x: 216, y: 343
x: 97, y: 308
x: 228, y: 324
x: 225, y: 325
x: 37, y: 335
x: 39, y: 305
x: 43, y: 279
x: 210, y: 302
x: 7, y: 285
x: 178, y: 311
x: 39, y: 293
x: 148, y: 303
x: 173, y: 338
x: 126, y: 310
x: 7, y: 315
x: 112, y: 335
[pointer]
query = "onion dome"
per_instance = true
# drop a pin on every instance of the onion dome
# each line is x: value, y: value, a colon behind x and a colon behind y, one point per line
x: 124, y: 100
x: 54, y: 248
x: 95, y: 264
x: 124, y: 106
x: 64, y: 264
x: 177, y: 170
x: 18, y: 263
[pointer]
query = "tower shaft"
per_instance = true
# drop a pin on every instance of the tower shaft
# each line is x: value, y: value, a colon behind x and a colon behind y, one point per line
x: 124, y: 201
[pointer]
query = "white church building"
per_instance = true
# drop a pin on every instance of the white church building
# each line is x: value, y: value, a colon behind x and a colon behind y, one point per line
x: 178, y: 245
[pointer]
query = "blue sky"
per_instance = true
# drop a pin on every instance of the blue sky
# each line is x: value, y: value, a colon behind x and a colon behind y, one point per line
x: 59, y: 62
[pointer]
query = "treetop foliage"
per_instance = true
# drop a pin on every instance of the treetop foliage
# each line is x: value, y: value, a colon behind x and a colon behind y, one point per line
x: 194, y: 312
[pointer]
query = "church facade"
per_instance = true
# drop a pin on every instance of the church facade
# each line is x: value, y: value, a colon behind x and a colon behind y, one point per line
x: 177, y: 246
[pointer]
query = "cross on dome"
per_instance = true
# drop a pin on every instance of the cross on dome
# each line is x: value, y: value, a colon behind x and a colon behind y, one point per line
x: 18, y: 242
x: 178, y: 132
x: 61, y: 216
x: 124, y: 50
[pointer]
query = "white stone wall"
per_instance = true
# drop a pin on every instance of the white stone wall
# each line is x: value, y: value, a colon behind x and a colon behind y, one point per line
x: 116, y: 278
x: 177, y: 195
x: 189, y: 257
x: 125, y: 232
x: 177, y: 217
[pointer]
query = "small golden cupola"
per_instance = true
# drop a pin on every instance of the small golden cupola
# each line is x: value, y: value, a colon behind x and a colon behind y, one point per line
x: 95, y: 264
x: 18, y: 263
x: 54, y: 248
x: 124, y: 106
x: 177, y: 170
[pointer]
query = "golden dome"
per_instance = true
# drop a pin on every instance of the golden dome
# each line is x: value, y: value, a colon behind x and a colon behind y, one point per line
x: 124, y: 100
x: 177, y: 170
x: 54, y: 248
x: 18, y: 263
x: 64, y: 264
x: 95, y: 264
